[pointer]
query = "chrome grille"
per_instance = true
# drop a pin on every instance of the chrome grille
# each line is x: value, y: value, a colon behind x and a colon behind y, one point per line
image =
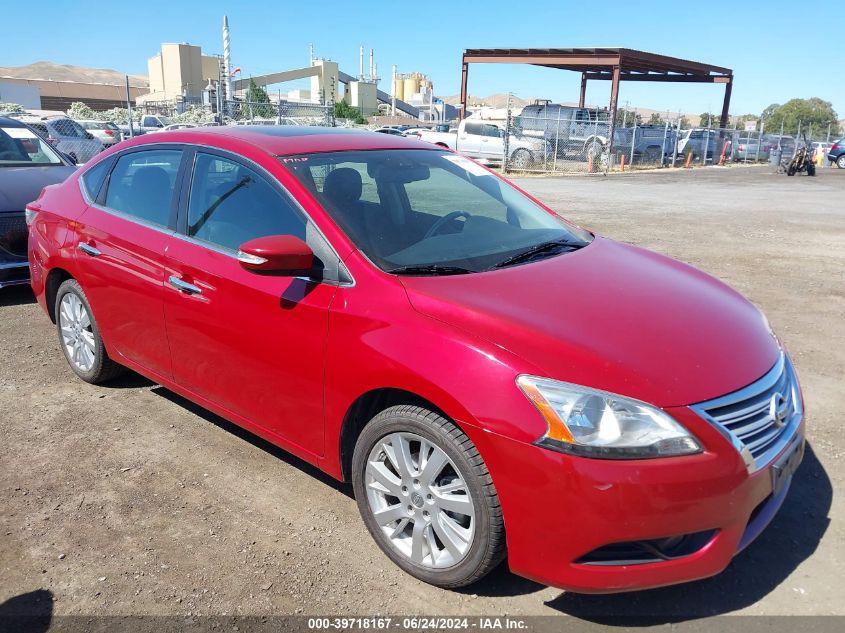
x: 755, y: 419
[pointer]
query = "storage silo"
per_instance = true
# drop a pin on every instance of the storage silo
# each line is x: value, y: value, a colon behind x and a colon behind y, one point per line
x: 411, y: 86
x: 399, y: 87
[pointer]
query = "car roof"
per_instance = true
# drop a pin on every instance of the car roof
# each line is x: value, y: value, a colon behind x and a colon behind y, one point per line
x: 9, y: 122
x: 281, y: 140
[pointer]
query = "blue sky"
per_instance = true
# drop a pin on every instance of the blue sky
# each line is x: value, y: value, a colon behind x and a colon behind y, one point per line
x: 776, y: 48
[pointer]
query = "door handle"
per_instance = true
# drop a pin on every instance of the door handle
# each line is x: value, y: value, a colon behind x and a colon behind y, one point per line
x: 184, y: 286
x: 89, y: 250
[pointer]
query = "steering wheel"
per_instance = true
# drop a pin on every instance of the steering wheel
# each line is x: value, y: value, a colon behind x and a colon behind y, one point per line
x: 454, y: 215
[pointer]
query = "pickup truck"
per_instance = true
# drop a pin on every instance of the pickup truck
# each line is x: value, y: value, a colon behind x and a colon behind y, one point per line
x: 568, y: 130
x: 485, y: 142
x: 148, y: 123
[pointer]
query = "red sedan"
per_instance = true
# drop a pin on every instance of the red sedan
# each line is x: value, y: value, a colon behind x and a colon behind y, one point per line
x: 491, y: 378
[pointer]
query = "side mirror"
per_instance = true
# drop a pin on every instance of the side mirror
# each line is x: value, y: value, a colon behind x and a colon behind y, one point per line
x: 281, y: 254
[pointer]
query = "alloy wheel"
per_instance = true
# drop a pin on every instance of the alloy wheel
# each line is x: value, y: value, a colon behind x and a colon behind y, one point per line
x: 420, y: 500
x: 77, y: 332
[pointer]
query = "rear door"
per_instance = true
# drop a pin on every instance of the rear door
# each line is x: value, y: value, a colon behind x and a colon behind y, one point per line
x: 248, y: 342
x: 121, y: 241
x: 469, y: 139
x: 492, y: 142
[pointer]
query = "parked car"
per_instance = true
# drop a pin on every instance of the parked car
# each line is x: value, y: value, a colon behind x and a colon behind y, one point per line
x: 27, y: 164
x: 395, y: 131
x: 837, y: 153
x: 491, y: 378
x: 67, y: 136
x: 485, y: 141
x: 178, y: 126
x: 776, y: 143
x: 571, y: 130
x: 651, y: 143
x: 147, y: 123
x: 107, y: 132
x: 694, y: 141
x: 748, y: 148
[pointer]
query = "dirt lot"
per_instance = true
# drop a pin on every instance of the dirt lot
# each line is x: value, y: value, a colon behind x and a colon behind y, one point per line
x: 127, y: 499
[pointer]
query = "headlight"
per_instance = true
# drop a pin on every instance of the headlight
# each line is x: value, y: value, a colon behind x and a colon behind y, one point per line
x: 593, y: 423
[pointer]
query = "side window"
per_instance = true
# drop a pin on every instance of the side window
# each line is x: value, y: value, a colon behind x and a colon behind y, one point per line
x: 473, y: 128
x: 490, y: 130
x: 231, y: 204
x: 93, y: 179
x: 66, y: 127
x: 142, y: 183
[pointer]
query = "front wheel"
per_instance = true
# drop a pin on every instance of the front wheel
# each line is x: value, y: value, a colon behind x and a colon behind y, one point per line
x: 521, y: 159
x: 811, y: 169
x: 427, y: 498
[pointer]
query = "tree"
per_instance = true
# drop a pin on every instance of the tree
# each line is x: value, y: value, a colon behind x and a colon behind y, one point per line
x: 656, y: 119
x: 257, y: 96
x: 343, y: 110
x: 627, y: 118
x: 684, y: 123
x: 813, y: 112
x: 80, y: 111
x: 708, y: 119
x: 11, y: 108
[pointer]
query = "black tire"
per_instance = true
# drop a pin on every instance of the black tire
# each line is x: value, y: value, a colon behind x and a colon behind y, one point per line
x: 651, y: 155
x: 487, y: 548
x: 811, y: 169
x: 840, y: 162
x: 790, y: 171
x: 521, y: 159
x: 103, y: 368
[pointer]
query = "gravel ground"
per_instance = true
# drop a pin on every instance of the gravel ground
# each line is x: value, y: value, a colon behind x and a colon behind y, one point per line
x: 127, y: 499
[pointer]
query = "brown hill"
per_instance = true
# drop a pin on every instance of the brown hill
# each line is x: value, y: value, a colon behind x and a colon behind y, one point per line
x: 67, y: 72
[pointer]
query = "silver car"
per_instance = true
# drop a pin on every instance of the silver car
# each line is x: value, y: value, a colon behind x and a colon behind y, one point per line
x: 104, y: 131
x: 67, y: 136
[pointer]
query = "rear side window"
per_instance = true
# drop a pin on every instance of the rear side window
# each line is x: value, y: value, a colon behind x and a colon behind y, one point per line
x: 473, y: 128
x: 142, y: 183
x: 93, y: 179
x: 231, y: 204
x: 66, y: 127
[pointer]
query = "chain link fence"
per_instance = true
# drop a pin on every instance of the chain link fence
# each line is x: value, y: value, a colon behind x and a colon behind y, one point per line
x: 244, y: 112
x: 551, y: 138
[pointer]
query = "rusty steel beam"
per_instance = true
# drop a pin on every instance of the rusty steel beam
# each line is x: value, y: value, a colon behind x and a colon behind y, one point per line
x: 726, y: 104
x: 464, y: 73
x: 660, y: 77
x: 542, y: 60
x: 614, y: 101
x: 583, y: 96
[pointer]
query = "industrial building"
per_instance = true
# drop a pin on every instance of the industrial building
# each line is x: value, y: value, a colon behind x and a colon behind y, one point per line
x: 49, y: 86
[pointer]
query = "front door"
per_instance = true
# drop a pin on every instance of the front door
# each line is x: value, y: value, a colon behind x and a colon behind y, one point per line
x: 250, y: 343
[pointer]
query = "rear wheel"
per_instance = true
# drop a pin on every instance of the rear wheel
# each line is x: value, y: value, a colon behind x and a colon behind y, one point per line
x: 427, y: 498
x: 80, y: 337
x: 840, y: 162
x: 811, y: 169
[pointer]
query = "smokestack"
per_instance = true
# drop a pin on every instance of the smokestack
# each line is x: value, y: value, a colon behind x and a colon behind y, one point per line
x: 372, y: 68
x: 375, y: 73
x: 361, y: 64
x: 227, y: 59
x: 393, y: 93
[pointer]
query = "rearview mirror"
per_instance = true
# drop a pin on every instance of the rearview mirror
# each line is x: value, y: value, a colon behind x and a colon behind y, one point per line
x: 281, y: 254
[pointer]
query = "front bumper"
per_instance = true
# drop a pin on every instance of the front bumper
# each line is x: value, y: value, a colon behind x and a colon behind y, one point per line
x: 559, y: 508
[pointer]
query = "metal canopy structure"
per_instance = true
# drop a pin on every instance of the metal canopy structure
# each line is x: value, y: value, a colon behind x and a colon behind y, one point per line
x: 609, y: 64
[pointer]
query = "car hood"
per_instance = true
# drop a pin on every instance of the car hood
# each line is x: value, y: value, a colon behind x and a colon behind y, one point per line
x: 20, y: 185
x: 612, y: 316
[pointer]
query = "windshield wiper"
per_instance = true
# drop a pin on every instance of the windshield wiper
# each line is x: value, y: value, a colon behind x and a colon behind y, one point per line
x: 537, y: 249
x: 430, y: 269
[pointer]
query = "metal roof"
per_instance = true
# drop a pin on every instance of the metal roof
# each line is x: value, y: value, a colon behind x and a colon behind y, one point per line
x: 598, y: 63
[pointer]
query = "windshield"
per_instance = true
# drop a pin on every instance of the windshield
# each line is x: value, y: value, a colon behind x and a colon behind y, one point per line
x: 431, y: 212
x: 20, y: 146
